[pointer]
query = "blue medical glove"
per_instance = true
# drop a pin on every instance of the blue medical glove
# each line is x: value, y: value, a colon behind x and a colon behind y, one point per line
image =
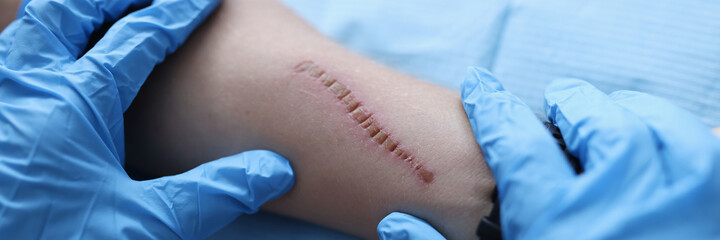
x: 61, y: 129
x: 401, y: 226
x: 652, y: 170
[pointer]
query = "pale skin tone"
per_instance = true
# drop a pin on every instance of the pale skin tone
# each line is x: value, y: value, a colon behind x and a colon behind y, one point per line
x: 234, y: 87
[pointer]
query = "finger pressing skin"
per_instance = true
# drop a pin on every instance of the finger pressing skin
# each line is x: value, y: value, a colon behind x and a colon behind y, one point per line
x: 522, y: 155
x: 401, y: 226
x: 206, y: 198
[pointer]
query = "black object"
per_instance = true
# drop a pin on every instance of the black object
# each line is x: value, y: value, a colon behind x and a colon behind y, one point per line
x: 489, y: 228
x: 555, y: 132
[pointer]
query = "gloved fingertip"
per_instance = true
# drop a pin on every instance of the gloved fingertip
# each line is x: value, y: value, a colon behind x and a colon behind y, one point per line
x: 398, y: 226
x: 480, y: 79
x: 470, y: 82
x: 563, y: 88
x: 211, y: 195
x: 271, y: 165
x: 267, y: 175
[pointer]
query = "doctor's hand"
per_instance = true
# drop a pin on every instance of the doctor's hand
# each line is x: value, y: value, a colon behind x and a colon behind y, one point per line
x: 61, y: 129
x: 401, y: 226
x: 651, y: 170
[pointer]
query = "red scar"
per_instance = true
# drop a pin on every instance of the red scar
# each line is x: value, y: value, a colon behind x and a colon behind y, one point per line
x: 364, y: 118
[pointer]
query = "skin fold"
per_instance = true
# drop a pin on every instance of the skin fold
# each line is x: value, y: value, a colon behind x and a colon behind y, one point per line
x: 234, y: 87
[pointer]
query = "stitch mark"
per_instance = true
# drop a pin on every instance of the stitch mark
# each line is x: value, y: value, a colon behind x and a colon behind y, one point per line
x: 364, y: 118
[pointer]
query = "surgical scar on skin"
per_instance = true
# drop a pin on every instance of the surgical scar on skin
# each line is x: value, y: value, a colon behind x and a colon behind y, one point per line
x: 364, y: 119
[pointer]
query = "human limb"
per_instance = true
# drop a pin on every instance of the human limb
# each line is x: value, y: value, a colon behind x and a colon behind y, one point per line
x: 62, y: 130
x: 628, y: 143
x: 234, y: 87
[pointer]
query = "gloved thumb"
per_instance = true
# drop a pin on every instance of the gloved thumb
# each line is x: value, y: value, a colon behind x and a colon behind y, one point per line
x: 206, y: 198
x: 401, y: 226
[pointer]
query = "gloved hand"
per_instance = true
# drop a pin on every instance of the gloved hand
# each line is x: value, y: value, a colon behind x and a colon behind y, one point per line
x: 61, y: 129
x: 651, y: 170
x: 401, y: 226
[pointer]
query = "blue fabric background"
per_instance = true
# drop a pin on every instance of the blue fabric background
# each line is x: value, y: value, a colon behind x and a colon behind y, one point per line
x: 670, y: 48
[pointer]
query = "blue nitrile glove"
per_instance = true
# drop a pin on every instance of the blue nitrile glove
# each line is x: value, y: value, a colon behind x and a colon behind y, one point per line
x: 401, y: 226
x: 61, y: 129
x: 651, y: 169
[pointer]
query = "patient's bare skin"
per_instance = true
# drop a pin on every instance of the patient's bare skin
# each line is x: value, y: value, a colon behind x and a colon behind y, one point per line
x: 238, y: 84
x: 364, y: 118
